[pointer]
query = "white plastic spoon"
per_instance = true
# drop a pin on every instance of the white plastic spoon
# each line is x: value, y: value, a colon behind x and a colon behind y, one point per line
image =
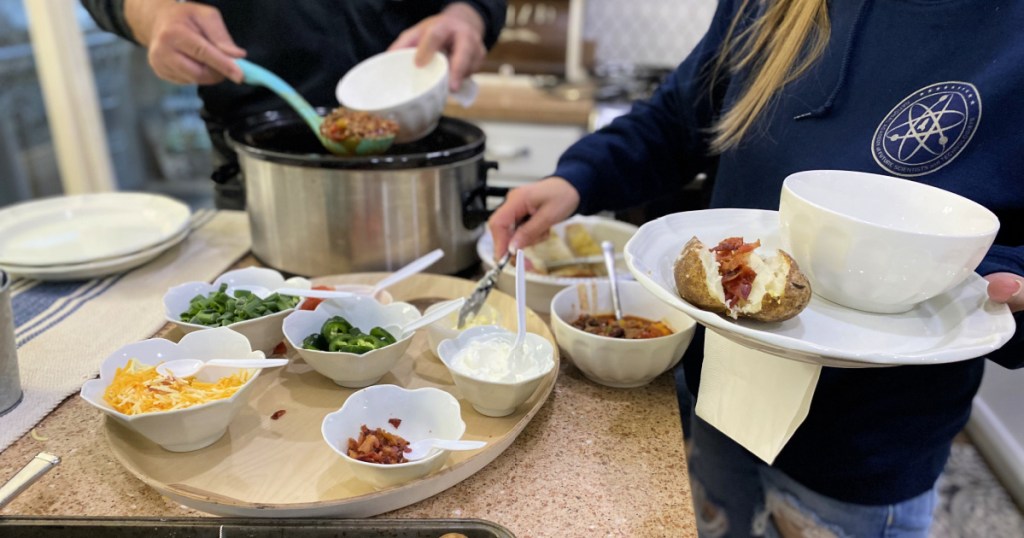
x: 315, y: 294
x: 191, y: 367
x: 420, y: 449
x: 415, y: 266
x: 432, y: 316
x: 263, y: 293
x: 513, y: 353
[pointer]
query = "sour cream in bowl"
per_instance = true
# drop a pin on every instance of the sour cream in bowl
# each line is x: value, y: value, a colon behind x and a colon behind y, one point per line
x: 494, y: 382
x: 447, y: 327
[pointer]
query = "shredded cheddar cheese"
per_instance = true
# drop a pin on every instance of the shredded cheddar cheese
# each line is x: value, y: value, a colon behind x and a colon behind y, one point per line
x: 138, y: 388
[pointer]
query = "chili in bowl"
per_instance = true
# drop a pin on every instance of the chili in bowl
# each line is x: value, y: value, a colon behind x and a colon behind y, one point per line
x: 631, y: 352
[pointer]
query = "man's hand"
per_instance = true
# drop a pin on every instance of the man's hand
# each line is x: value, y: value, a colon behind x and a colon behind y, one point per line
x: 457, y: 31
x: 188, y: 43
x: 1006, y: 288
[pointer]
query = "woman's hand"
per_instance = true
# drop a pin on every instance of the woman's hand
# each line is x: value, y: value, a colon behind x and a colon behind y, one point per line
x: 1006, y: 288
x: 458, y: 31
x: 188, y: 43
x: 544, y: 203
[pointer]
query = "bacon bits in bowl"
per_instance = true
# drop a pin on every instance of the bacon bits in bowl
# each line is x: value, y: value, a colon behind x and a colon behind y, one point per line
x: 243, y: 300
x: 178, y: 414
x: 352, y: 341
x: 649, y: 340
x: 373, y: 423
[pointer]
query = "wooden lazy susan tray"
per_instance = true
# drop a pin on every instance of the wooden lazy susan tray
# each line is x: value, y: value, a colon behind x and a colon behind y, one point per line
x: 266, y: 467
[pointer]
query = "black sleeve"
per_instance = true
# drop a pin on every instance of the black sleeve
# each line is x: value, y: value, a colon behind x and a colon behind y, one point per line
x: 493, y: 13
x: 109, y: 15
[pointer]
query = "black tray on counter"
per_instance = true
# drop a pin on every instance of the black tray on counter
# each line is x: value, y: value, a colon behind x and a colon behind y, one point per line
x: 112, y: 527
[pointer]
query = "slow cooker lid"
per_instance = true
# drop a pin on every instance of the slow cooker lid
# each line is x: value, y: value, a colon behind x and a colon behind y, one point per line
x: 281, y: 136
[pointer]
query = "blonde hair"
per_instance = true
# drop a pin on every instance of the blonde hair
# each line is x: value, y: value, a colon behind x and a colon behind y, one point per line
x: 786, y: 39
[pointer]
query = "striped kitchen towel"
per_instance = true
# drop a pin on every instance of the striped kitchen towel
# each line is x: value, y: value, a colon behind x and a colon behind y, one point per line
x: 64, y: 330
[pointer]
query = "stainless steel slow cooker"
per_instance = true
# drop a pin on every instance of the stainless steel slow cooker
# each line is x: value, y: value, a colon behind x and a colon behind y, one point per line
x: 314, y: 214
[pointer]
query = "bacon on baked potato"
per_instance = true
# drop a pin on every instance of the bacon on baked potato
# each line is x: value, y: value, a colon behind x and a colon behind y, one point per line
x: 733, y: 280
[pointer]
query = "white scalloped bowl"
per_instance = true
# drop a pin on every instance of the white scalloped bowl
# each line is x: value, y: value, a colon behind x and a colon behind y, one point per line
x: 424, y: 413
x: 191, y: 428
x: 541, y: 288
x: 263, y: 333
x: 349, y: 369
x: 495, y: 398
x: 618, y: 362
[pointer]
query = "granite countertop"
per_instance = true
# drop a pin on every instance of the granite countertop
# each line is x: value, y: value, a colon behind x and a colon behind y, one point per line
x: 594, y: 461
x: 517, y: 99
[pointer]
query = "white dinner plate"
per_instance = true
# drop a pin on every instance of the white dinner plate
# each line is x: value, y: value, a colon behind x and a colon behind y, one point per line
x: 67, y: 230
x: 958, y: 325
x: 109, y: 266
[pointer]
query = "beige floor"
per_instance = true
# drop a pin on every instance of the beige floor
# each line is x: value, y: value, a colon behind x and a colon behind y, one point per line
x: 972, y: 502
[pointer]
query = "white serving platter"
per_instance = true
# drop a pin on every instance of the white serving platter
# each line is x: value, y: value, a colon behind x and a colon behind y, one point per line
x: 67, y: 230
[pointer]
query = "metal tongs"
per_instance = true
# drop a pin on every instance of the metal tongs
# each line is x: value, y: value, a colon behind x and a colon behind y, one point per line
x: 32, y: 471
x: 483, y: 288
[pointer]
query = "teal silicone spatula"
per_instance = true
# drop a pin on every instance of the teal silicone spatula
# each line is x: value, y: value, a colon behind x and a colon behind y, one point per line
x: 259, y: 76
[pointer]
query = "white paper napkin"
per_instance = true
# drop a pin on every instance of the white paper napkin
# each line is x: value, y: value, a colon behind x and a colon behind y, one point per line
x: 756, y: 399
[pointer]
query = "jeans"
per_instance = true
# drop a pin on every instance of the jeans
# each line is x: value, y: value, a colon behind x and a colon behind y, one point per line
x: 736, y: 494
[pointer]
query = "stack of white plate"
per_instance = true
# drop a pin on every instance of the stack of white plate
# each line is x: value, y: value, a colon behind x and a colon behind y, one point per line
x: 89, y: 235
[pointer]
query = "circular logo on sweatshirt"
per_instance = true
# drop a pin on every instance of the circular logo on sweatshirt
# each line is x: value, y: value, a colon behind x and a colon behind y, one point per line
x: 927, y: 129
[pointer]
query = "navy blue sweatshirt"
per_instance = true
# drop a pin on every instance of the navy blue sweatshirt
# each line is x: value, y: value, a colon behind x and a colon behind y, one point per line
x: 310, y: 44
x: 873, y: 436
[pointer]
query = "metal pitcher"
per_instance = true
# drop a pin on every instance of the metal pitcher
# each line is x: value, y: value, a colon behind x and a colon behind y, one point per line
x: 10, y: 381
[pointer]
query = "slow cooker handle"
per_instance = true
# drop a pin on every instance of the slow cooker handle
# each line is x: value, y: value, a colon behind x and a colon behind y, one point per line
x: 474, y: 202
x: 226, y: 172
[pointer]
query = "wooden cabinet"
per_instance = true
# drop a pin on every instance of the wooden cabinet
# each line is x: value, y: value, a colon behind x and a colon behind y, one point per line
x: 527, y: 128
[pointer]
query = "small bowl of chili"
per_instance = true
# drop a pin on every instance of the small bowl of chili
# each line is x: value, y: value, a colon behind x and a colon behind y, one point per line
x: 649, y: 339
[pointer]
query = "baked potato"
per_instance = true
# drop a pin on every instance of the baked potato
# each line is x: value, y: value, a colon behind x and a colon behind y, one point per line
x: 577, y: 243
x: 733, y: 280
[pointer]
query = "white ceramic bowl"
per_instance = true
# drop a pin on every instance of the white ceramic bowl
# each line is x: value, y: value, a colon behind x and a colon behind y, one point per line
x: 191, y: 428
x: 264, y: 333
x: 541, y: 288
x: 424, y: 413
x: 391, y: 86
x: 617, y: 362
x: 495, y: 398
x: 878, y: 243
x: 349, y: 369
x: 445, y: 328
